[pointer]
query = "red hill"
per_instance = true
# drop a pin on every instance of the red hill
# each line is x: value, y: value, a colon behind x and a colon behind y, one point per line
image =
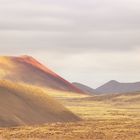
x: 28, y: 70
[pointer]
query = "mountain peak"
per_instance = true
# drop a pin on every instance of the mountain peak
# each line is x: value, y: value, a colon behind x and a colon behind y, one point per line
x: 32, y: 61
x: 26, y: 56
x: 113, y: 81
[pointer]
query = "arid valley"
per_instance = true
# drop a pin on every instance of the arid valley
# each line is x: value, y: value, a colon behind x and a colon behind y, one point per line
x: 37, y: 111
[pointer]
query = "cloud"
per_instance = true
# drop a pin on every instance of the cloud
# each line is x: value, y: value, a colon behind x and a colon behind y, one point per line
x: 88, y: 25
x: 76, y: 33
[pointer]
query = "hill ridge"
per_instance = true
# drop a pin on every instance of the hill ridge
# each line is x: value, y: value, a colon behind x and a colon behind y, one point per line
x: 38, y: 73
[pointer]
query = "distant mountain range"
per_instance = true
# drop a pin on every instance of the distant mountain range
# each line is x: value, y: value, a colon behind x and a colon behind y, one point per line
x: 110, y: 87
x: 27, y: 70
x: 117, y: 87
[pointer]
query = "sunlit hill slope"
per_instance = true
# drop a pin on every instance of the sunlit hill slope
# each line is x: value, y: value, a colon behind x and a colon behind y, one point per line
x: 22, y: 104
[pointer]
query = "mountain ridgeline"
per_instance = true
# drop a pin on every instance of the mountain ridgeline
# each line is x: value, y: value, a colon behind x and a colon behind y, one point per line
x: 111, y: 87
x: 117, y: 87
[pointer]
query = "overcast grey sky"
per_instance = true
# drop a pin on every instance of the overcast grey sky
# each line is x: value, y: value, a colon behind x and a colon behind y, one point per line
x: 87, y: 41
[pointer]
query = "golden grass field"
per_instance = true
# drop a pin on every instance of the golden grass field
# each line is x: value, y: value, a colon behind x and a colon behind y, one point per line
x: 104, y: 118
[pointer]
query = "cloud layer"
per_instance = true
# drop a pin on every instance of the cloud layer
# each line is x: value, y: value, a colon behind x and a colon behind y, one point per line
x: 87, y: 41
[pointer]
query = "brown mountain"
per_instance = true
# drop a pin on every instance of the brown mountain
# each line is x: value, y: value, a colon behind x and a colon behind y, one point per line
x: 21, y: 104
x: 117, y: 87
x: 28, y: 70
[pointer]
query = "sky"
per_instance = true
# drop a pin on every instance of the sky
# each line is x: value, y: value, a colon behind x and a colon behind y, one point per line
x: 87, y: 41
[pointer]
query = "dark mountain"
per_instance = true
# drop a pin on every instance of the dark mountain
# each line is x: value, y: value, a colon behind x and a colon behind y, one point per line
x: 117, y: 87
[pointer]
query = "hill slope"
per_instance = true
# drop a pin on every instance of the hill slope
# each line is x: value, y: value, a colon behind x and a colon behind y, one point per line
x: 85, y: 88
x: 117, y: 87
x: 26, y: 69
x: 21, y: 104
x: 121, y: 98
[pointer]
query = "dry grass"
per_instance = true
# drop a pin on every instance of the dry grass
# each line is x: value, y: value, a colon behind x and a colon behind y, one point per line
x: 105, y: 118
x: 102, y: 107
x: 104, y: 129
x: 22, y: 104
